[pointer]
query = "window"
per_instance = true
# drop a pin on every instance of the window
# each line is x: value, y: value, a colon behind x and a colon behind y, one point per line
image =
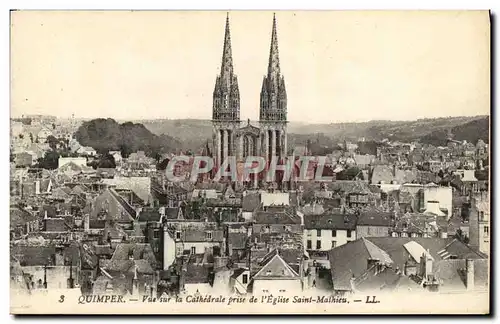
x: 318, y: 244
x: 334, y: 244
x: 193, y: 250
x: 481, y: 216
x: 245, y: 279
x: 208, y: 235
x: 156, y: 234
x: 309, y: 244
x: 334, y: 233
x: 177, y: 235
x: 349, y: 233
x: 318, y: 232
x: 486, y: 231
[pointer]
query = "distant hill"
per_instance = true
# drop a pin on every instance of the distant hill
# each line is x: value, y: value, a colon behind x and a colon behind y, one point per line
x: 195, y: 132
x: 107, y: 135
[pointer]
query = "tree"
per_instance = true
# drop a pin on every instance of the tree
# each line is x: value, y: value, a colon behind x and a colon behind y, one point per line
x: 107, y: 161
x: 53, y: 142
x: 49, y: 161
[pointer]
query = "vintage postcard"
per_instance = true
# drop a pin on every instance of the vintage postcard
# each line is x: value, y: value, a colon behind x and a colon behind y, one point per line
x: 250, y: 162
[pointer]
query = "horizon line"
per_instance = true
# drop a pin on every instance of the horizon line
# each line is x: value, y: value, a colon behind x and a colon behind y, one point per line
x: 251, y: 120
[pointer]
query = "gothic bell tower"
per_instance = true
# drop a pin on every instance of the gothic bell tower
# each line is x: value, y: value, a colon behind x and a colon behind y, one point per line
x: 273, y: 105
x: 226, y: 105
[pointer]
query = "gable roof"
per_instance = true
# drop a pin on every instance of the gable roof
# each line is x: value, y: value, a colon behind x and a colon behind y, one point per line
x: 351, y: 260
x: 274, y: 267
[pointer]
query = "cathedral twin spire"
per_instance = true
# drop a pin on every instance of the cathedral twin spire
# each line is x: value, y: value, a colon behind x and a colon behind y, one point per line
x: 226, y: 98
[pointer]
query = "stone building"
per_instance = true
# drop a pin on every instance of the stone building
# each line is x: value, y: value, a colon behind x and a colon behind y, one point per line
x: 230, y: 137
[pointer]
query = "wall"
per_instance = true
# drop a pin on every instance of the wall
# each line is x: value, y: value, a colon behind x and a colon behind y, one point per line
x: 200, y: 246
x: 278, y: 287
x: 479, y: 227
x: 57, y: 276
x: 168, y: 250
x: 371, y: 231
x: 326, y: 238
x: 441, y: 194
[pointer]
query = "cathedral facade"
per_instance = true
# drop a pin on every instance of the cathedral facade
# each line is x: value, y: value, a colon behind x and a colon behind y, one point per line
x: 231, y: 137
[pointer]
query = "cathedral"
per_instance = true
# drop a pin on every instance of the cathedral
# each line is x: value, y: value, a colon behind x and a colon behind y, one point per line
x: 231, y: 137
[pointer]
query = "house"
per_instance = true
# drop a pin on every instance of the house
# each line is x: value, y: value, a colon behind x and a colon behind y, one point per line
x: 141, y: 186
x: 326, y: 231
x: 22, y: 222
x: 386, y: 263
x: 374, y: 223
x: 194, y: 237
x: 419, y: 225
x: 79, y: 161
x: 110, y: 205
x: 237, y: 237
x: 239, y: 281
x: 276, y: 277
x: 47, y: 266
x: 86, y: 151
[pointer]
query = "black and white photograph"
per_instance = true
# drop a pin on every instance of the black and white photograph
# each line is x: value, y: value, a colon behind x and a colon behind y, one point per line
x: 250, y: 162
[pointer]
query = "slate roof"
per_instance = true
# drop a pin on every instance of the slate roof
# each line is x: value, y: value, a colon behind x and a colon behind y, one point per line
x: 348, y: 186
x: 452, y: 274
x: 437, y: 247
x: 140, y: 251
x: 274, y: 267
x: 237, y: 240
x: 275, y: 217
x: 118, y: 208
x: 196, y: 274
x: 250, y: 202
x: 44, y: 255
x: 375, y: 218
x: 351, y: 260
x: 330, y: 221
x: 149, y: 215
x: 19, y: 216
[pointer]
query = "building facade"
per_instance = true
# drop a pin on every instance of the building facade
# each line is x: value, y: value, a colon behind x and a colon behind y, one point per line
x: 230, y: 137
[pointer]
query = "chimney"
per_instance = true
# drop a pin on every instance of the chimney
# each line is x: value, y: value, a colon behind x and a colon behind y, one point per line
x: 425, y: 265
x: 71, y: 281
x: 86, y: 222
x: 433, y: 208
x: 135, y: 283
x: 394, y: 170
x: 469, y: 268
x: 351, y: 282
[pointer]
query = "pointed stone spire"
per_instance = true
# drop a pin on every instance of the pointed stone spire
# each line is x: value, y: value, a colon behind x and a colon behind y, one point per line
x: 273, y: 69
x: 227, y: 56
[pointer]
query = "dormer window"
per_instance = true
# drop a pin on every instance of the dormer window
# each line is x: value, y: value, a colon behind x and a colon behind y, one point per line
x: 177, y: 235
x: 208, y: 235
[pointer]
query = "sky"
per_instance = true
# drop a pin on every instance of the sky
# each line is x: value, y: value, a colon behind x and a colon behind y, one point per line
x: 339, y: 66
